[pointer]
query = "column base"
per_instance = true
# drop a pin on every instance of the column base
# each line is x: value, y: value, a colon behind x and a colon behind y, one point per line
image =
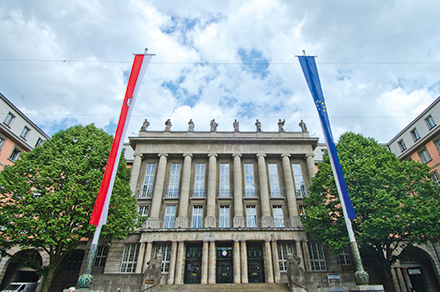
x: 181, y: 222
x: 210, y: 221
x: 239, y: 221
x: 267, y: 221
x: 152, y: 223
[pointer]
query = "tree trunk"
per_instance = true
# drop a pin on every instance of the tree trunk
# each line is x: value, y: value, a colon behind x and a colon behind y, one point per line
x: 47, y: 282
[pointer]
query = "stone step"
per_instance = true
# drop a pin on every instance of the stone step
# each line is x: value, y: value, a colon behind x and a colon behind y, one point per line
x: 252, y: 287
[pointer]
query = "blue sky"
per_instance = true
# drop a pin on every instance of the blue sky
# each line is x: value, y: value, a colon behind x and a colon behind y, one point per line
x: 65, y: 63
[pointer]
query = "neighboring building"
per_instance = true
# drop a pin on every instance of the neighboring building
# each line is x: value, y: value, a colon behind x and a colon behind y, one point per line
x: 17, y: 133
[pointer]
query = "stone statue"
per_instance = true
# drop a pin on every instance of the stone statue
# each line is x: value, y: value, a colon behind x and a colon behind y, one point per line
x: 144, y: 126
x: 168, y: 125
x: 190, y: 126
x: 281, y: 125
x: 213, y: 126
x: 236, y: 126
x: 153, y: 273
x: 258, y: 125
x: 296, y: 276
x: 303, y: 126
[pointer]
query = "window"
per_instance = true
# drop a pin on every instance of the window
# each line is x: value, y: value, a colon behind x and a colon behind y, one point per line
x: 173, y: 186
x: 224, y: 180
x: 14, y: 154
x: 224, y: 217
x: 147, y: 188
x: 9, y: 118
x: 430, y: 122
x: 165, y: 249
x: 278, y: 218
x: 284, y: 248
x: 436, y: 177
x: 39, y: 142
x: 249, y: 180
x: 424, y: 156
x: 274, y: 181
x: 317, y: 260
x: 2, y: 142
x: 74, y: 261
x: 197, y: 217
x: 402, y: 145
x: 344, y: 257
x: 251, y: 216
x: 101, y: 256
x: 24, y: 134
x: 129, y: 258
x: 415, y: 134
x: 170, y: 214
x: 298, y: 180
x: 144, y: 210
x: 199, y: 182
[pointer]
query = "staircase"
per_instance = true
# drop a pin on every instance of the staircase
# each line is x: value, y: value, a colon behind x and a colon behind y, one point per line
x: 253, y: 287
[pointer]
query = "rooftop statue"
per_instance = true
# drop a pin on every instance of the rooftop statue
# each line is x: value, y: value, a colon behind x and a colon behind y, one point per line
x: 145, y: 125
x: 236, y: 126
x: 258, y: 125
x: 281, y: 125
x: 303, y: 126
x: 190, y: 126
x: 168, y: 125
x: 213, y: 126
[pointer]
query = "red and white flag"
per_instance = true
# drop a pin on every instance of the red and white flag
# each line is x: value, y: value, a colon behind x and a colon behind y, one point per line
x: 140, y: 65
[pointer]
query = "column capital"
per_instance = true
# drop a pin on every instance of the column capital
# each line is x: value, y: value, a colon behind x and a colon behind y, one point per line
x: 187, y: 154
x: 285, y: 155
x: 310, y: 155
x: 163, y: 154
x: 261, y: 155
x: 137, y: 154
x: 212, y: 154
x: 236, y: 154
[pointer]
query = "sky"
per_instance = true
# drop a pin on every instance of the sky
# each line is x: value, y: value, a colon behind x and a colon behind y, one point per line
x: 65, y: 63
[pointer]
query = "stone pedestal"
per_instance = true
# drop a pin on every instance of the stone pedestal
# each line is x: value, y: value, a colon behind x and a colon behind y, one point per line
x: 367, y: 288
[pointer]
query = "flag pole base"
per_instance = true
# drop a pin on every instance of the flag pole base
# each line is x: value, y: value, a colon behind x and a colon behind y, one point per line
x: 84, y: 281
x: 361, y: 278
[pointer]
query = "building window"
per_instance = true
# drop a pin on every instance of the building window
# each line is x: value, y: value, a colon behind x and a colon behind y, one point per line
x: 74, y: 261
x: 317, y: 260
x: 173, y: 186
x: 129, y: 258
x: 101, y: 256
x: 436, y: 177
x: 39, y: 142
x: 199, y: 183
x: 197, y: 217
x: 14, y: 154
x: 165, y: 249
x: 170, y: 214
x: 2, y: 142
x: 144, y: 210
x: 430, y: 122
x: 284, y: 248
x: 415, y: 134
x: 402, y: 145
x: 8, y: 120
x: 251, y: 216
x: 424, y: 156
x: 224, y: 217
x: 298, y: 180
x: 24, y: 134
x: 249, y: 180
x: 274, y: 181
x: 147, y: 188
x: 224, y: 180
x: 344, y: 257
x: 278, y: 218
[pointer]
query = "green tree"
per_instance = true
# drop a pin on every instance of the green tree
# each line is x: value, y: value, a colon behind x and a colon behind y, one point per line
x: 48, y: 195
x: 396, y: 202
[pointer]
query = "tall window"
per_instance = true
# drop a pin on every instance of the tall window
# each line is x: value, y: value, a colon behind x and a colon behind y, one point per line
x: 173, y: 186
x: 170, y: 214
x: 251, y: 216
x: 101, y: 256
x: 430, y: 122
x: 199, y: 182
x: 317, y: 260
x: 284, y: 248
x: 129, y: 258
x: 9, y: 118
x: 299, y: 180
x: 344, y: 257
x: 224, y: 180
x: 224, y: 217
x: 197, y: 217
x: 415, y: 134
x: 74, y: 261
x: 274, y: 181
x: 424, y: 156
x: 165, y: 249
x: 249, y: 180
x: 278, y: 218
x: 25, y: 132
x: 14, y: 154
x: 402, y: 145
x: 147, y: 188
x: 39, y: 142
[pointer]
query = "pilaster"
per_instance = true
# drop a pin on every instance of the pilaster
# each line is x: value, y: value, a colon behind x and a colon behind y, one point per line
x: 236, y: 264
x: 135, y: 169
x: 182, y: 220
x: 266, y: 219
x: 244, y: 263
x: 210, y: 220
x: 172, y: 267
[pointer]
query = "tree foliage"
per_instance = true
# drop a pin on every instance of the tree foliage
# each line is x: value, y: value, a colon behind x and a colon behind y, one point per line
x: 396, y: 202
x: 48, y: 195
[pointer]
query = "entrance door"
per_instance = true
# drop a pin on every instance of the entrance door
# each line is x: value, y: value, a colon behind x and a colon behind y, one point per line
x: 256, y: 271
x: 193, y: 272
x: 224, y: 272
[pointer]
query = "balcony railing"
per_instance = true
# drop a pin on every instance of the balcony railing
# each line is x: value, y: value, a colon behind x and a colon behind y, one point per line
x: 145, y: 193
x: 250, y: 193
x: 277, y: 193
x: 197, y: 193
x: 223, y: 193
x: 171, y: 193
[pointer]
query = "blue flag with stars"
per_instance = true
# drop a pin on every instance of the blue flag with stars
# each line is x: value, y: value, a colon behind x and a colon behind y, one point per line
x: 310, y: 70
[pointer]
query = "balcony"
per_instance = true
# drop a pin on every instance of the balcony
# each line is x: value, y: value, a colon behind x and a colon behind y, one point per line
x: 198, y: 193
x: 223, y: 194
x: 145, y: 193
x: 250, y: 193
x: 277, y: 193
x: 171, y: 194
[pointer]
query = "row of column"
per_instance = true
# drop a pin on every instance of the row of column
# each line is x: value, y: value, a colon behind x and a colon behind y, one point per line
x: 401, y: 279
x: 209, y: 261
x: 210, y: 220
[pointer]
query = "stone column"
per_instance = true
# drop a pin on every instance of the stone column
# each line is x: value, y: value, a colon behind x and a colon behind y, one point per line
x: 140, y: 258
x: 276, y: 264
x: 153, y: 220
x: 238, y: 193
x: 299, y: 253
x: 401, y: 280
x: 306, y: 256
x: 179, y: 263
x: 172, y: 267
x: 290, y: 188
x: 212, y: 263
x: 264, y: 192
x: 147, y: 255
x: 205, y: 256
x: 182, y: 220
x: 244, y: 263
x: 395, y: 280
x: 135, y: 169
x: 236, y: 264
x: 406, y: 277
x: 212, y: 178
x: 311, y: 164
x: 268, y: 262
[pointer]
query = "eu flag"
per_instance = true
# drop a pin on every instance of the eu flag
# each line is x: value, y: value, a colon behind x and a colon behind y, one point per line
x: 310, y: 70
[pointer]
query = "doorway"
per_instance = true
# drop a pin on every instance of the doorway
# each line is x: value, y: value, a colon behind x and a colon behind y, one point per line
x: 255, y: 262
x: 224, y: 271
x: 193, y: 264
